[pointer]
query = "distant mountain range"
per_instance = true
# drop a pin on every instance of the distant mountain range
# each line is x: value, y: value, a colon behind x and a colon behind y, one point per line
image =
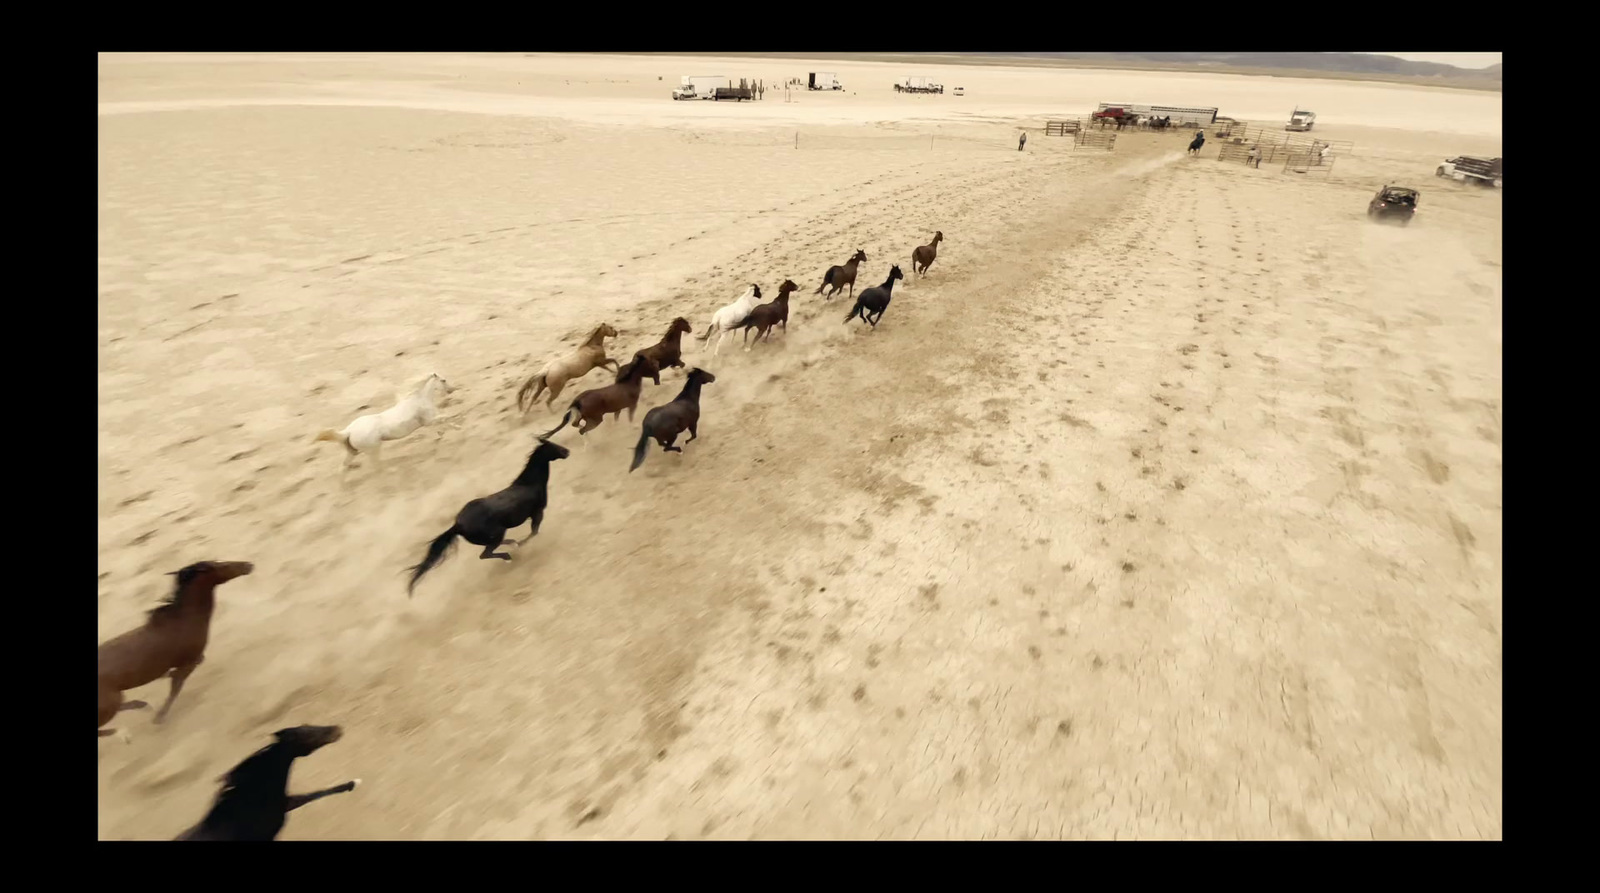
x: 1351, y: 63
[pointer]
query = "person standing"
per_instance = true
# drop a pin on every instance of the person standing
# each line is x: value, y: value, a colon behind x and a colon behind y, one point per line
x: 1255, y: 157
x: 1023, y: 141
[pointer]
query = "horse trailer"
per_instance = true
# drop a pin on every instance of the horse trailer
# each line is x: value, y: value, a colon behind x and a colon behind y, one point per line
x: 1464, y: 168
x: 823, y: 80
x: 919, y: 85
x: 700, y: 86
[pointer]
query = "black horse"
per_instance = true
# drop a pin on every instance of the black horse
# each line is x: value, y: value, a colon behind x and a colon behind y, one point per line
x: 255, y: 799
x: 1198, y: 141
x: 484, y: 521
x: 871, y: 303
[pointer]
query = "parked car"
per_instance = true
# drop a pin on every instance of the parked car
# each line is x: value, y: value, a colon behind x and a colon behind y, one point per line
x: 1394, y: 203
x: 959, y: 91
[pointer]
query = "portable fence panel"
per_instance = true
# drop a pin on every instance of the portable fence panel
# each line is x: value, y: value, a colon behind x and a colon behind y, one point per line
x: 1308, y: 163
x: 1093, y: 139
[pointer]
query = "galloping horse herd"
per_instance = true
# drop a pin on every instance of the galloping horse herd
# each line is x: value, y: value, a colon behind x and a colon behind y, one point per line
x: 254, y: 801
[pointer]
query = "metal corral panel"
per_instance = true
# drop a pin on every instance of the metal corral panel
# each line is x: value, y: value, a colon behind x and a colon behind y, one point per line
x: 1178, y: 114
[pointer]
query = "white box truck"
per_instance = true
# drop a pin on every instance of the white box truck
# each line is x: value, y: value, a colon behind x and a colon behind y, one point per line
x: 699, y: 86
x: 823, y: 80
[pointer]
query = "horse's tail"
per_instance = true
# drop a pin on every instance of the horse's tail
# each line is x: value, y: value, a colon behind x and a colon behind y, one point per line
x: 827, y: 280
x: 436, y: 552
x: 854, y: 310
x: 706, y: 332
x: 530, y: 391
x: 639, y: 451
x: 330, y: 435
x: 570, y: 417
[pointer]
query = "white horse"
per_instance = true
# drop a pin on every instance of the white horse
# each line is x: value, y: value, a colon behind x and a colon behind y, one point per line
x: 725, y: 319
x: 419, y: 408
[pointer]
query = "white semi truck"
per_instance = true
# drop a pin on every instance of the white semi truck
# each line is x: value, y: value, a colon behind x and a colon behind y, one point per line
x: 1301, y: 120
x: 700, y: 86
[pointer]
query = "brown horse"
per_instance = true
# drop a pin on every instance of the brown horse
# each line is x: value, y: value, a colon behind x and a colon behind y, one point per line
x: 172, y: 642
x: 925, y: 254
x: 555, y: 375
x: 839, y: 277
x: 591, y: 406
x: 765, y: 316
x: 668, y: 352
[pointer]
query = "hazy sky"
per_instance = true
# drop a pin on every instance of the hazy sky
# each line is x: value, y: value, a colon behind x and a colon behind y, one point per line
x: 1464, y: 60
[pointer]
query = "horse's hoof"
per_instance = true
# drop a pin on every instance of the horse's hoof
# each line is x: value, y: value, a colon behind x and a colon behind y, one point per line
x: 355, y: 783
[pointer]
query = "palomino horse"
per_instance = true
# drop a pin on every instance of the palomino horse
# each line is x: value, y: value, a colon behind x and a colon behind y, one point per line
x: 729, y: 317
x: 556, y: 373
x: 415, y: 410
x: 255, y: 801
x: 171, y: 643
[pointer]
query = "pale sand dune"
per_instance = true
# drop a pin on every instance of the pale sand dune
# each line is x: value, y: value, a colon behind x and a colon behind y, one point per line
x: 1167, y: 505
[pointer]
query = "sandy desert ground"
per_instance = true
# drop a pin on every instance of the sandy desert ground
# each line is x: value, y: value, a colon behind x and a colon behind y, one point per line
x: 1168, y: 505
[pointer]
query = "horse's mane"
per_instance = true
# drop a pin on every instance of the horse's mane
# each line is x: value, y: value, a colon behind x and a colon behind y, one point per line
x: 174, y: 600
x: 593, y: 332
